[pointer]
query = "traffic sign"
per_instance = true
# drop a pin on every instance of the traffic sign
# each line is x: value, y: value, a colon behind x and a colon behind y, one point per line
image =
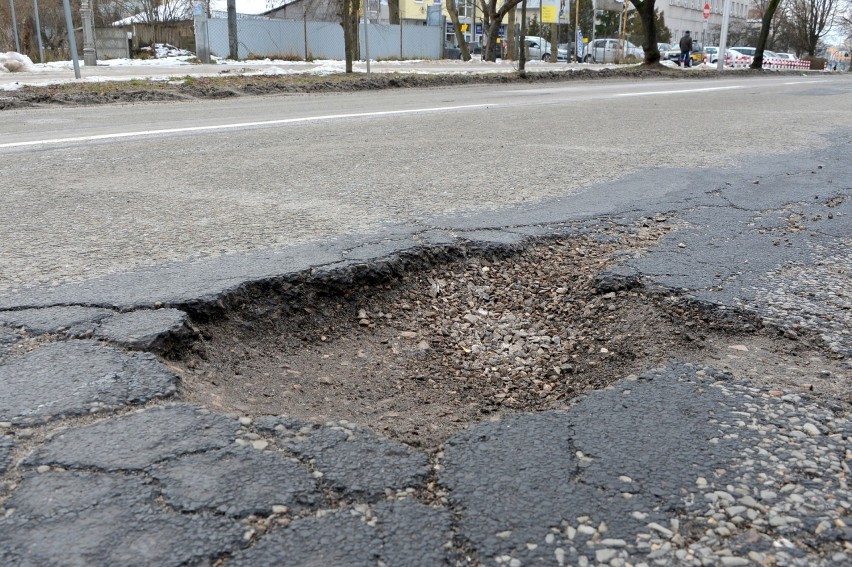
x: 706, y: 11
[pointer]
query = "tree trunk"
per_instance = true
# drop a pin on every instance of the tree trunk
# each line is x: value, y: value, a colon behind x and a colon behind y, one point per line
x: 349, y: 22
x: 522, y: 51
x: 764, y: 33
x: 493, y: 31
x: 233, y: 44
x: 554, y: 43
x: 393, y: 12
x: 494, y: 16
x: 510, y: 37
x: 454, y: 17
x: 645, y: 8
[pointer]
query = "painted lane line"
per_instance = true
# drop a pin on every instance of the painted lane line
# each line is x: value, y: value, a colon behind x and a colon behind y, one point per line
x: 306, y: 119
x: 681, y: 91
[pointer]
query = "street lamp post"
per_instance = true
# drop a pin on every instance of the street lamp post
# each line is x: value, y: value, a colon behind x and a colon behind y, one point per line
x: 90, y: 58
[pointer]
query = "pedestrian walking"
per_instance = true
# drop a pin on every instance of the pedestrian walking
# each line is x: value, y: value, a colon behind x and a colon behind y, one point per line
x: 686, y: 50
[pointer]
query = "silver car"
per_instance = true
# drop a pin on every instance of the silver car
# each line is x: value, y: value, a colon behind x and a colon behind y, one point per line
x: 540, y: 48
x: 610, y: 50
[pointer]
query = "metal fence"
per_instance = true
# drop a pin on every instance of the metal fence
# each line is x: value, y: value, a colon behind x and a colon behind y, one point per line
x: 291, y: 39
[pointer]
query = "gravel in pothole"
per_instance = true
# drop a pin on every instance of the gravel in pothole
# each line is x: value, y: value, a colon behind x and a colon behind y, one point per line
x: 421, y: 357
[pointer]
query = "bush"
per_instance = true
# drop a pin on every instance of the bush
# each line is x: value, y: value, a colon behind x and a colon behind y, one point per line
x: 817, y: 63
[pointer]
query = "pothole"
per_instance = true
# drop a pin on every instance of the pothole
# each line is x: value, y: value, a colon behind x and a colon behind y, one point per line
x: 418, y: 356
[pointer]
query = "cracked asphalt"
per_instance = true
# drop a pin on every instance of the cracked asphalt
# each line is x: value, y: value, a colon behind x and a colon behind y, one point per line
x: 102, y: 464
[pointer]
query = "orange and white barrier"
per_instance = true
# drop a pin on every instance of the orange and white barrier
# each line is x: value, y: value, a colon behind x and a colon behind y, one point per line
x: 738, y: 62
x: 744, y: 61
x: 784, y: 64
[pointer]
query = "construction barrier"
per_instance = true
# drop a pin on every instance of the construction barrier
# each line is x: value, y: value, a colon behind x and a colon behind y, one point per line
x: 744, y: 61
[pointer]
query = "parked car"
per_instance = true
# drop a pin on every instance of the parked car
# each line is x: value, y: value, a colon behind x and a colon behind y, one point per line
x: 663, y: 47
x: 540, y: 48
x: 451, y: 50
x: 568, y: 48
x: 713, y: 54
x: 673, y: 53
x: 609, y: 50
x: 454, y: 51
x: 750, y: 51
x: 788, y: 56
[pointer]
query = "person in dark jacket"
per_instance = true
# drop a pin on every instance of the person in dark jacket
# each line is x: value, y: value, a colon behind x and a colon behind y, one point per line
x: 686, y: 49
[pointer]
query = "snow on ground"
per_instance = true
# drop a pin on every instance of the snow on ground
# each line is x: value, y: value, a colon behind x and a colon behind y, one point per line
x: 11, y: 62
x: 168, y: 59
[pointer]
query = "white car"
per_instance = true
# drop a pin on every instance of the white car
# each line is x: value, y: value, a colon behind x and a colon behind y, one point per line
x: 609, y: 50
x: 787, y: 56
x: 713, y: 54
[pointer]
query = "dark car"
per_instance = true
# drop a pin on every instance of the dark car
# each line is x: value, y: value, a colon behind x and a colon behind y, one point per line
x: 451, y: 51
x: 673, y: 53
x: 454, y: 51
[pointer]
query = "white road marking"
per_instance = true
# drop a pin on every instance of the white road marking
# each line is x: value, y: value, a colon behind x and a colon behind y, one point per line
x: 649, y: 93
x: 141, y: 133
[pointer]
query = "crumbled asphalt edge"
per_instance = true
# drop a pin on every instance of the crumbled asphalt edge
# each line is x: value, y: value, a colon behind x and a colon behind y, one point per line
x: 225, y: 86
x: 301, y: 287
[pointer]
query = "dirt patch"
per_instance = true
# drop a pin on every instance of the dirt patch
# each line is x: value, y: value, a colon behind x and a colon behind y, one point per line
x: 422, y: 355
x: 228, y: 85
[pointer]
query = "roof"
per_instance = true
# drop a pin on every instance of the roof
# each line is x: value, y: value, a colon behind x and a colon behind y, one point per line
x: 176, y: 10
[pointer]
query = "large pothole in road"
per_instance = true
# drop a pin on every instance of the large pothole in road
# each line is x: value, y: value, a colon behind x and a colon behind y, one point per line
x: 423, y: 354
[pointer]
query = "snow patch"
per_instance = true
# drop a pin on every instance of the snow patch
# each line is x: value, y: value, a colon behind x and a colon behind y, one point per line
x: 12, y: 62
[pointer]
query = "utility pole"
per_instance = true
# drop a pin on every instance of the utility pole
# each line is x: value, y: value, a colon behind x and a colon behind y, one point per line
x: 90, y: 57
x: 15, y: 26
x: 726, y: 16
x: 72, y: 41
x: 366, y: 39
x: 577, y: 30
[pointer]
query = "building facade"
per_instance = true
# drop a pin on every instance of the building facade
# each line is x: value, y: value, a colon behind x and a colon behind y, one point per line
x: 683, y: 15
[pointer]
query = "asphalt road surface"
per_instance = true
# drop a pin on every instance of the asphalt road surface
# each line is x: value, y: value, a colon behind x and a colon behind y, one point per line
x: 99, y: 190
x: 115, y: 221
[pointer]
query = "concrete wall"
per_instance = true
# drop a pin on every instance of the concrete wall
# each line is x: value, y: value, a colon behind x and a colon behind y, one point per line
x: 111, y: 43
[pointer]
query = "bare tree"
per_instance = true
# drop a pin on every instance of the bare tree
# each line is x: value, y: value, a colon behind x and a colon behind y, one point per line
x: 453, y: 11
x: 765, y: 25
x: 349, y: 22
x: 649, y: 24
x: 492, y: 16
x: 54, y: 34
x: 811, y: 20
